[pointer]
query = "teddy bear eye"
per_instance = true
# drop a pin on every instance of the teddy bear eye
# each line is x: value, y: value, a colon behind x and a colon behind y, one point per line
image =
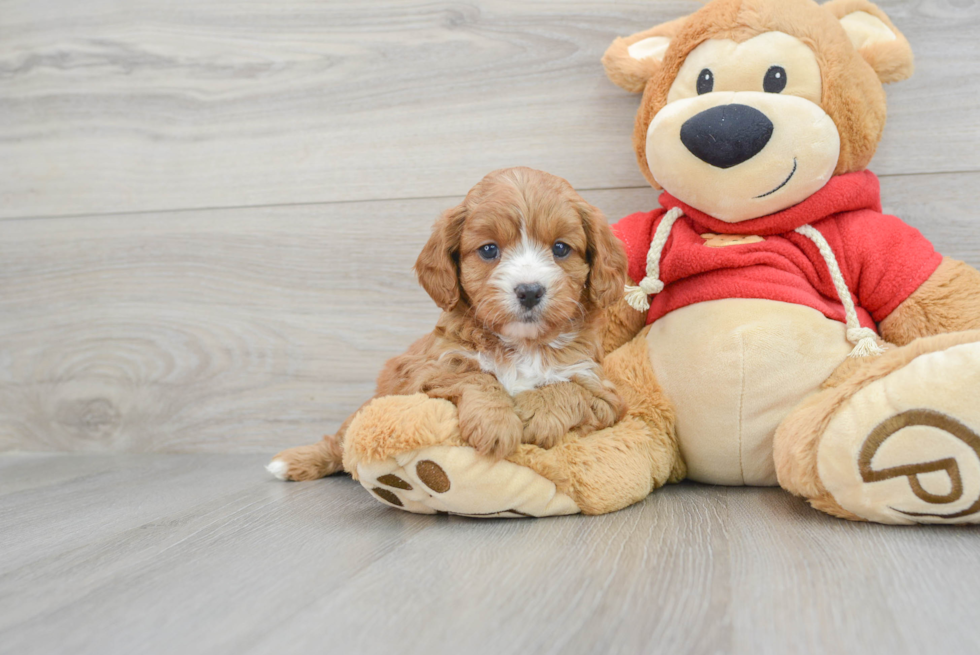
x: 775, y: 80
x: 488, y: 252
x: 706, y: 81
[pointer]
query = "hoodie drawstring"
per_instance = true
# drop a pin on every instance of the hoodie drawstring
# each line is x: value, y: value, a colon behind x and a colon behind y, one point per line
x: 638, y: 297
x: 865, y: 340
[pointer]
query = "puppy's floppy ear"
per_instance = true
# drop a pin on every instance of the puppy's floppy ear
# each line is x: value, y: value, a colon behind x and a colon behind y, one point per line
x: 437, y: 267
x: 875, y: 38
x: 607, y: 258
x: 632, y: 60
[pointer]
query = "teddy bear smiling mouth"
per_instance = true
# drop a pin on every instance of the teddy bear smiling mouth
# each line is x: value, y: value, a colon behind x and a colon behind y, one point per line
x: 785, y: 182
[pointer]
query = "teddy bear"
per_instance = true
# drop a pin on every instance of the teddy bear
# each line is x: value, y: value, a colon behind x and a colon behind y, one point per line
x: 778, y: 328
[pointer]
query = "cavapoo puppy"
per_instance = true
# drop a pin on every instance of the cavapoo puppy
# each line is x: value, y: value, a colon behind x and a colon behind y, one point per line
x: 522, y: 270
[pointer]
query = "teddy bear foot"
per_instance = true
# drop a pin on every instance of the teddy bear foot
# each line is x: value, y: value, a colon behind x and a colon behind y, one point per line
x: 904, y: 446
x: 457, y: 480
x: 407, y: 451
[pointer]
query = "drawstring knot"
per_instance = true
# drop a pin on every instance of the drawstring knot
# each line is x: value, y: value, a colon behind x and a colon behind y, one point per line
x: 638, y: 297
x: 865, y: 340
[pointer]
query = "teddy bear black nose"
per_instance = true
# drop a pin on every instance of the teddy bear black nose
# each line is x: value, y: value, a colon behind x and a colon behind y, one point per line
x: 726, y: 135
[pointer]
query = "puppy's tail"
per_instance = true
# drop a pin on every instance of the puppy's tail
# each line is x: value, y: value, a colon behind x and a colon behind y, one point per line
x: 309, y: 462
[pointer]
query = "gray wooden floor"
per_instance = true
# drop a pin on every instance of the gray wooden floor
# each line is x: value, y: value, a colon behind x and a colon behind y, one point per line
x: 207, y: 554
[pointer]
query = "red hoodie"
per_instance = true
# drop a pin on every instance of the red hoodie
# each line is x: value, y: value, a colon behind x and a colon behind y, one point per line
x: 882, y: 259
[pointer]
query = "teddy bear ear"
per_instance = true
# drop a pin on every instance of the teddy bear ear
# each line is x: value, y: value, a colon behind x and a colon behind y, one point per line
x: 632, y: 60
x: 875, y: 38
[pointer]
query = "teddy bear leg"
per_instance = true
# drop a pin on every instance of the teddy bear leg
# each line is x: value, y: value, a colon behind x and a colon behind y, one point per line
x: 407, y: 451
x: 891, y: 439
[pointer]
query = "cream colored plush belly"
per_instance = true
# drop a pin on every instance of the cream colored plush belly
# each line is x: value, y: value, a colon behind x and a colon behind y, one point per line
x: 734, y: 369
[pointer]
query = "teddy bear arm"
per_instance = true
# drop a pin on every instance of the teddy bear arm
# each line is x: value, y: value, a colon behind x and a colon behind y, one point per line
x: 410, y: 453
x: 949, y: 301
x: 622, y: 324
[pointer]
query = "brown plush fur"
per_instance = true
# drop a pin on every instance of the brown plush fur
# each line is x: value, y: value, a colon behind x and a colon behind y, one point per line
x: 391, y: 425
x: 949, y: 301
x: 892, y: 61
x: 632, y: 74
x: 825, y: 503
x: 852, y: 93
x: 506, y: 208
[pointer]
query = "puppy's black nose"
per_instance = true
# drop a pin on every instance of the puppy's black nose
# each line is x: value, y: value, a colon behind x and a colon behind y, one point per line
x: 726, y: 135
x: 529, y: 294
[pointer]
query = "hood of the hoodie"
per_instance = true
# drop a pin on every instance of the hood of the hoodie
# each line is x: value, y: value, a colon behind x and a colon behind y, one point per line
x: 843, y: 193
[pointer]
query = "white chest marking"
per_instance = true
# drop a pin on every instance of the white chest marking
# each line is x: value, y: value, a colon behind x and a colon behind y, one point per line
x: 526, y: 371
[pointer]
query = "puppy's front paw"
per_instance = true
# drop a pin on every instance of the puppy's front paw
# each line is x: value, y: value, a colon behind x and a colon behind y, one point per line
x: 546, y: 418
x: 494, y: 433
x: 609, y: 408
x: 544, y: 429
x: 551, y: 412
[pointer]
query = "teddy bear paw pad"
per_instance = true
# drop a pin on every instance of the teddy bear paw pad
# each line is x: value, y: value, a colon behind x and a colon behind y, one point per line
x: 457, y: 480
x: 906, y: 447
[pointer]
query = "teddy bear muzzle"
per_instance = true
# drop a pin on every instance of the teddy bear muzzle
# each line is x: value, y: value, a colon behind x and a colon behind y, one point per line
x: 739, y: 155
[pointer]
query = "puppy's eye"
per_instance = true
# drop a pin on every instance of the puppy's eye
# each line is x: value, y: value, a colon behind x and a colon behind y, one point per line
x: 488, y: 252
x: 775, y: 80
x: 706, y: 82
x: 561, y: 250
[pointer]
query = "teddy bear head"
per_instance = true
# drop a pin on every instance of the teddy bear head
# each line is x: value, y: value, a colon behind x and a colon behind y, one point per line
x: 751, y: 106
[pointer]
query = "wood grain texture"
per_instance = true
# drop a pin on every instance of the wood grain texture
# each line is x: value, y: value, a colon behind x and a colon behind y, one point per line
x: 251, y: 329
x: 109, y: 107
x: 206, y: 554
